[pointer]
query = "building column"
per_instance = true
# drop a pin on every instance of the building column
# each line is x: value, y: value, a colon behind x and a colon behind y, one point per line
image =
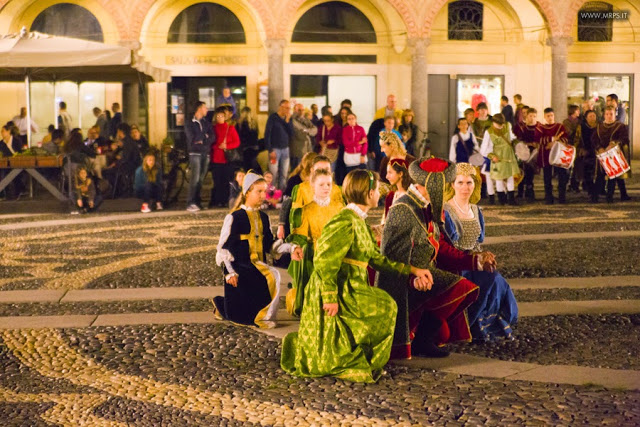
x: 130, y: 91
x: 559, y: 77
x: 275, y: 52
x: 130, y: 102
x: 419, y: 81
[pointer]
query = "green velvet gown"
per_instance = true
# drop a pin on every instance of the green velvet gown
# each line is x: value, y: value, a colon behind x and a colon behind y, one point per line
x: 356, y: 343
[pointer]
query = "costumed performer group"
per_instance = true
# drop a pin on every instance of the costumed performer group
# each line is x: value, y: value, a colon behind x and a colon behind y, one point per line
x: 433, y: 284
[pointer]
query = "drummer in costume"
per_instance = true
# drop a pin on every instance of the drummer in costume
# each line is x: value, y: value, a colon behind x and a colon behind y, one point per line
x: 427, y: 320
x: 586, y: 150
x: 307, y: 226
x: 526, y: 132
x: 495, y: 311
x: 608, y: 134
x: 252, y: 288
x: 463, y: 143
x: 346, y: 327
x: 497, y: 147
x: 547, y: 135
x: 572, y: 126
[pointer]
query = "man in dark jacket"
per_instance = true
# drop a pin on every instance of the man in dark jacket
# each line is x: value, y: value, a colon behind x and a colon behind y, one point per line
x: 277, y: 137
x: 507, y: 110
x: 200, y: 137
x: 115, y: 120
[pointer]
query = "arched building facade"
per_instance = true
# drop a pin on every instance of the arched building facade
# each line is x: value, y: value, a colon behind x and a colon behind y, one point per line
x: 432, y: 54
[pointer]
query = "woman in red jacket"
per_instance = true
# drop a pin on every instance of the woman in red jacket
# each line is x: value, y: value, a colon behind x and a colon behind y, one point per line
x: 226, y: 139
x: 354, y: 139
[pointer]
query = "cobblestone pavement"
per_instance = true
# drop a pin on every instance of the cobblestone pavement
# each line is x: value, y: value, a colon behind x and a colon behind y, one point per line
x: 600, y: 341
x: 221, y: 374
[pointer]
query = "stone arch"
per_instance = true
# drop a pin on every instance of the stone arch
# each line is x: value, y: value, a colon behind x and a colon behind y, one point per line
x: 544, y: 7
x: 571, y: 19
x: 401, y: 17
x: 158, y: 18
x: 112, y: 19
x: 389, y: 25
x: 149, y: 10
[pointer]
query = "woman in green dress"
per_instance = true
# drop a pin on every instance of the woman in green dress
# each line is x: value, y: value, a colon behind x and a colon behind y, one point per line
x: 346, y: 327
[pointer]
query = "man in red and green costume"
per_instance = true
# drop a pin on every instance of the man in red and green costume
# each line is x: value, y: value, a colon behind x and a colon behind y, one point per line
x: 427, y: 320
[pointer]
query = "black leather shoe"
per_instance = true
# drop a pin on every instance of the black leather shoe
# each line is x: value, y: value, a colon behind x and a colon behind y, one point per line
x: 429, y: 350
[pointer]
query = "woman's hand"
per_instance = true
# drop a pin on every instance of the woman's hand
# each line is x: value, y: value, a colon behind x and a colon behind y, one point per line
x: 233, y: 280
x: 223, y: 146
x: 280, y: 232
x: 363, y: 160
x: 422, y: 284
x: 423, y: 277
x: 79, y: 203
x: 330, y: 309
x: 297, y: 254
x: 495, y: 159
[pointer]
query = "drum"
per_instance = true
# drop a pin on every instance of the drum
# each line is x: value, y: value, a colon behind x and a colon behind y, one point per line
x: 522, y: 152
x: 613, y: 162
x: 562, y: 155
x: 476, y: 159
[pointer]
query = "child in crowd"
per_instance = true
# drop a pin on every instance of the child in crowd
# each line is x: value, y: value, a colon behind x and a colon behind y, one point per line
x: 272, y: 201
x: 148, y: 183
x: 85, y: 192
x: 235, y: 186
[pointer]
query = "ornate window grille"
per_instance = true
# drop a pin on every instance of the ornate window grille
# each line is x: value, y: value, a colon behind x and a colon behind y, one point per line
x: 591, y: 26
x: 465, y: 20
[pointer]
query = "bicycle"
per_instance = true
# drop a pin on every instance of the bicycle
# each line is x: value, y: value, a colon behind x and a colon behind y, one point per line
x: 177, y: 175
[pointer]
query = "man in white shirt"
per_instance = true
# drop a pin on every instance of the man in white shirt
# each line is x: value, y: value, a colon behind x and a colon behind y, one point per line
x: 22, y: 123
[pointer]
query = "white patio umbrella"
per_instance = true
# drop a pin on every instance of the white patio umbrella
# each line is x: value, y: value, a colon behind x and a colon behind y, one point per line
x: 28, y: 56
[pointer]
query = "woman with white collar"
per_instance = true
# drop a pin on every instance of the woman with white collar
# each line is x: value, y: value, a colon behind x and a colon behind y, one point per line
x: 252, y: 288
x: 495, y: 311
x: 306, y: 229
x: 346, y: 327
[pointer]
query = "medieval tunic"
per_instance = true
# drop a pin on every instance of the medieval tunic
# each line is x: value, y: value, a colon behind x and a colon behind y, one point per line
x: 495, y: 310
x: 480, y: 127
x: 245, y: 240
x: 544, y: 135
x: 410, y: 236
x: 307, y: 229
x: 497, y: 142
x: 463, y: 145
x: 604, y: 135
x: 356, y: 343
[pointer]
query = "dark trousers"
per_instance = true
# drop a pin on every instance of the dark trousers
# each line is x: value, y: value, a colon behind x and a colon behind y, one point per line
x: 611, y: 186
x: 348, y: 169
x: 526, y: 185
x: 198, y: 166
x: 589, y: 170
x: 97, y: 201
x: 563, y: 179
x: 220, y: 190
x: 150, y: 192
